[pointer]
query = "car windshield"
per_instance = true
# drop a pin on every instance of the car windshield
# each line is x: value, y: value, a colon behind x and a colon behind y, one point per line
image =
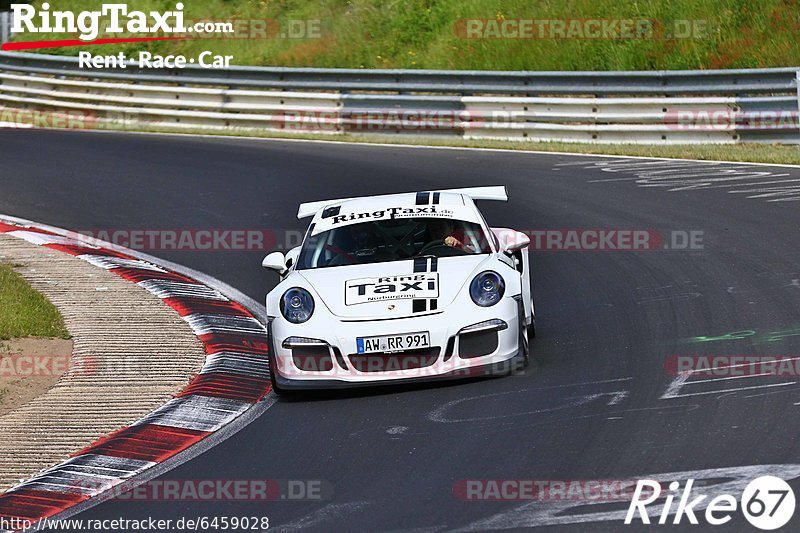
x: 392, y: 240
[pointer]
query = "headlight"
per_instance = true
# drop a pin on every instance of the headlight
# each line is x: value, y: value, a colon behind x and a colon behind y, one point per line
x: 297, y: 305
x: 487, y: 288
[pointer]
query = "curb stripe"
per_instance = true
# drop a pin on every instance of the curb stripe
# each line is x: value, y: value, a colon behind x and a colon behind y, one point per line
x: 32, y: 504
x: 219, y: 342
x: 78, y: 250
x: 148, y: 442
x: 41, y: 237
x: 228, y: 386
x: 205, y: 324
x: 136, y: 275
x: 234, y: 377
x: 239, y: 364
x: 173, y: 289
x: 106, y: 465
x: 109, y: 262
x: 192, y: 306
x: 196, y: 413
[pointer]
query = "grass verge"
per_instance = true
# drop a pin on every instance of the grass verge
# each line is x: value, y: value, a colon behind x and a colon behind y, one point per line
x: 560, y: 35
x: 24, y: 312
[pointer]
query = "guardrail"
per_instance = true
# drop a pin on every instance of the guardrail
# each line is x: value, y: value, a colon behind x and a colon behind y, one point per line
x: 714, y: 106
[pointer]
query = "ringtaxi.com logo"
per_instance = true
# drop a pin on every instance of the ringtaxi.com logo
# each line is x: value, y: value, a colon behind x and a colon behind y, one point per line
x: 118, y: 19
x: 767, y: 503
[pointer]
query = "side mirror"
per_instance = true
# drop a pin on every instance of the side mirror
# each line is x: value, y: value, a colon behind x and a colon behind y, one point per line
x: 510, y: 240
x: 275, y: 261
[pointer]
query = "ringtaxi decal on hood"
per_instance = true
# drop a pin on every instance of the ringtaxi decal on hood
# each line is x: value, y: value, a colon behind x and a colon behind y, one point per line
x: 402, y: 287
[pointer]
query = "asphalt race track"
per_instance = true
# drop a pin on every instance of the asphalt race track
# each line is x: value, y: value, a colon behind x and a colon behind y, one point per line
x: 600, y: 404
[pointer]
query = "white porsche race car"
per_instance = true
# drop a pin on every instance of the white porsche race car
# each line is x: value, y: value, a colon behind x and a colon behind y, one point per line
x: 399, y: 288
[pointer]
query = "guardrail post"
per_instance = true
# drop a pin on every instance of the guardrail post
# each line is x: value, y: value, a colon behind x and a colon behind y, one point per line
x: 797, y: 120
x: 5, y: 26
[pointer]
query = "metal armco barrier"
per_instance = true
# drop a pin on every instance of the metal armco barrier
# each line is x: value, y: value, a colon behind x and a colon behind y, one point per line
x: 661, y: 107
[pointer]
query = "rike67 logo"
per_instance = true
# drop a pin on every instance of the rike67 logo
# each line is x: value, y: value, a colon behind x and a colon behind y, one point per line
x: 767, y: 503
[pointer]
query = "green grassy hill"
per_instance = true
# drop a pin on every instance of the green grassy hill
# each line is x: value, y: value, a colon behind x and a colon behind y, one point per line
x: 682, y: 34
x: 25, y: 312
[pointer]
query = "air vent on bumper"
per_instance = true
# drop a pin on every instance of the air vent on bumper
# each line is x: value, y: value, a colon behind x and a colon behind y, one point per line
x: 481, y: 339
x: 310, y: 355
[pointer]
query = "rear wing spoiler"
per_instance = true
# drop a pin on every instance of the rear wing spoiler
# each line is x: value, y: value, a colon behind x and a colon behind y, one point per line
x: 497, y: 193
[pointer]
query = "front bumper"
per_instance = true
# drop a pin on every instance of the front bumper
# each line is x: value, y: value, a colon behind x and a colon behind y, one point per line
x: 454, y: 354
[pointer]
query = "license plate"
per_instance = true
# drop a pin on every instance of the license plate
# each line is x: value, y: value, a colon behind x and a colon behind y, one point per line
x: 393, y: 343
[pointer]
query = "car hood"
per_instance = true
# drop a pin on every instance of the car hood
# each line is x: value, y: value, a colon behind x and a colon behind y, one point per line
x: 395, y: 289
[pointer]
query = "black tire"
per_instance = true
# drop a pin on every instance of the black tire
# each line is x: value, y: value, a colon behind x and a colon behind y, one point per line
x: 275, y: 388
x: 525, y: 344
